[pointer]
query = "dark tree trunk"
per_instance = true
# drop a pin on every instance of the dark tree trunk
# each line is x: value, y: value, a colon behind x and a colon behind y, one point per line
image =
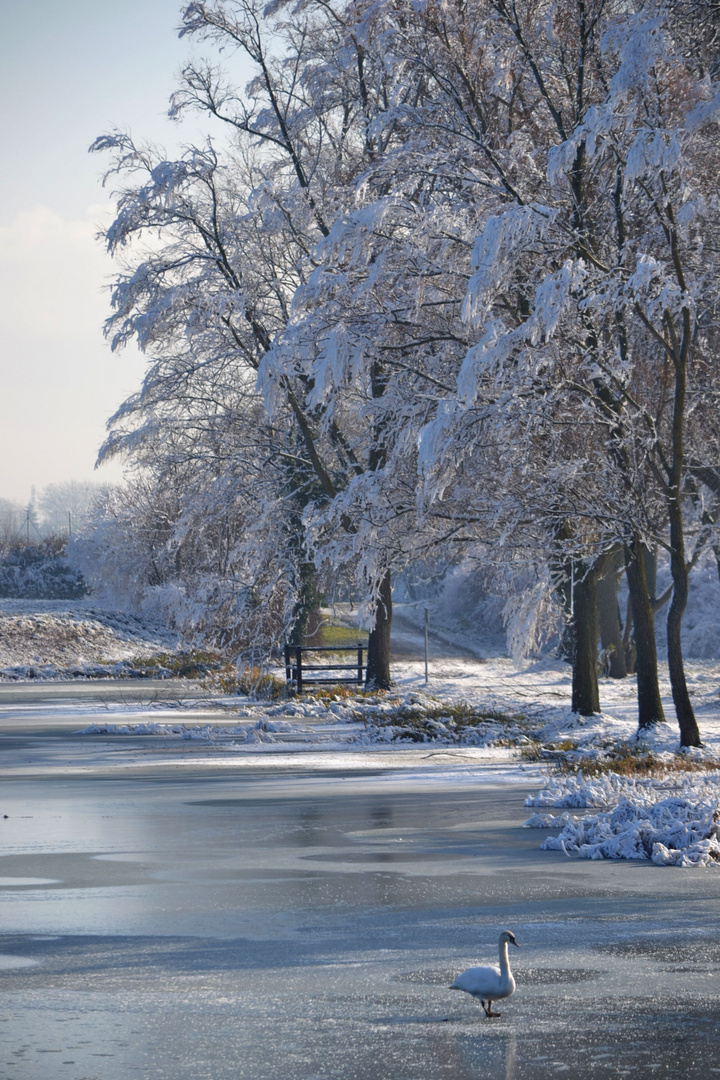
x: 378, y: 662
x: 628, y: 638
x: 309, y: 600
x: 611, y: 630
x: 585, y: 691
x: 689, y: 732
x: 650, y: 560
x: 650, y: 709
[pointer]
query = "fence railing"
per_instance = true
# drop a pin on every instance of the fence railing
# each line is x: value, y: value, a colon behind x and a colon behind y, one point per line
x: 298, y: 672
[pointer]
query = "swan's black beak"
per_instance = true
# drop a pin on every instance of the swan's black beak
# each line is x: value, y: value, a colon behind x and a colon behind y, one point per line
x: 515, y: 943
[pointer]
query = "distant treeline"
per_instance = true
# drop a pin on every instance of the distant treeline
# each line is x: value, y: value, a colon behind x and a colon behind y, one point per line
x: 39, y: 570
x: 58, y: 510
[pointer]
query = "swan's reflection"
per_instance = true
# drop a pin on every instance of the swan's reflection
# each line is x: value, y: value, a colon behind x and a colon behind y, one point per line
x: 510, y: 1056
x: 452, y: 1053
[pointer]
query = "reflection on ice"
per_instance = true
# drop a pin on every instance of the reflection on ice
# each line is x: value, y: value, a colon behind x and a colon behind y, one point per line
x: 268, y: 922
x: 12, y: 963
x: 25, y: 882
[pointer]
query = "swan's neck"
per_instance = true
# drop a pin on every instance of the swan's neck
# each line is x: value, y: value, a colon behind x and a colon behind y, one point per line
x: 504, y: 961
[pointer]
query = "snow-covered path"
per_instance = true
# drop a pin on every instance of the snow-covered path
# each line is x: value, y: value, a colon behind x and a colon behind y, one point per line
x: 408, y: 637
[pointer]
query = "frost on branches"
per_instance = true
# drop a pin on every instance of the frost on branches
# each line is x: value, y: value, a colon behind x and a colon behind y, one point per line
x: 444, y: 286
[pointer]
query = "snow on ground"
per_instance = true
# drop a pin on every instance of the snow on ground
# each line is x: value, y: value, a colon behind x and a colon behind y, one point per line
x: 473, y: 714
x: 517, y: 724
x: 473, y: 703
x: 673, y: 831
x: 52, y: 638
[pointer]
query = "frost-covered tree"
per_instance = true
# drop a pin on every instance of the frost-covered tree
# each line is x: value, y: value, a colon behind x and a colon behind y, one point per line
x: 465, y: 252
x: 183, y: 551
x: 237, y: 227
x: 12, y: 517
x: 559, y: 157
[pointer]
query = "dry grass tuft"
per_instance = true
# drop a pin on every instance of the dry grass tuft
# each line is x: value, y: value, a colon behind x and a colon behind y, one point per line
x: 196, y: 664
x: 251, y: 681
x: 635, y: 760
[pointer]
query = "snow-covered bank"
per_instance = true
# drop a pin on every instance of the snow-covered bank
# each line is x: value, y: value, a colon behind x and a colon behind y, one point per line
x: 47, y: 639
x: 479, y: 720
x: 670, y: 832
x: 475, y: 703
x: 476, y: 721
x: 646, y: 823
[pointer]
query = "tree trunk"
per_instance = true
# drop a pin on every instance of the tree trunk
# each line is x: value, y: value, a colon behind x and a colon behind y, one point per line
x: 378, y: 661
x: 629, y: 638
x: 585, y: 692
x: 308, y: 602
x: 650, y: 709
x: 689, y: 732
x: 650, y: 560
x: 611, y: 631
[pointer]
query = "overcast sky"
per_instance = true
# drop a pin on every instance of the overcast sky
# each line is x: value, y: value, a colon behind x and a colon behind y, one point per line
x: 69, y: 71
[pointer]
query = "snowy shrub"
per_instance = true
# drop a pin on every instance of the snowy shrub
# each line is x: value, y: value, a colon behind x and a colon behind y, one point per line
x: 672, y: 832
x: 40, y: 570
x: 579, y: 791
x: 189, y: 564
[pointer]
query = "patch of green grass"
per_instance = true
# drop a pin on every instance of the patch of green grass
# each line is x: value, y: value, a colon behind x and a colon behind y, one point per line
x: 340, y: 636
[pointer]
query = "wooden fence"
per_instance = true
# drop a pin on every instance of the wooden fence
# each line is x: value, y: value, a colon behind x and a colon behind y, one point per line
x: 298, y: 672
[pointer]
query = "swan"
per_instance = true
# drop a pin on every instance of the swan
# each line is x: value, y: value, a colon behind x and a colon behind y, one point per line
x: 490, y: 983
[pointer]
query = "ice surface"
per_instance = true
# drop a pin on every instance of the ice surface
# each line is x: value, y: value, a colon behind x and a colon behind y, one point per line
x: 218, y: 912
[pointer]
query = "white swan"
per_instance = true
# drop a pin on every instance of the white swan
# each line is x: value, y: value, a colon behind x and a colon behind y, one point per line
x: 490, y: 983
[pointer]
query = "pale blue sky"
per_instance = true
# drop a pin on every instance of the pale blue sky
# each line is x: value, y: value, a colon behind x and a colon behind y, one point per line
x: 69, y: 71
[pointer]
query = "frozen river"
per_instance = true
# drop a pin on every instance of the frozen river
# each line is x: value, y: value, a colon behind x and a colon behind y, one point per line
x: 207, y: 918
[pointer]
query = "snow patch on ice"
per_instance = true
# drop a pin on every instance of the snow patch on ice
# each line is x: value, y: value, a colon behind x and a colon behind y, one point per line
x: 671, y: 832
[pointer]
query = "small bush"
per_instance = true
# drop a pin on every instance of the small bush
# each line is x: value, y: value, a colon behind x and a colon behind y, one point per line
x: 341, y: 635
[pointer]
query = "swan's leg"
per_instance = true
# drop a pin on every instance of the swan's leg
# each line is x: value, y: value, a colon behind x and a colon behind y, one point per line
x: 489, y: 1012
x: 485, y: 1007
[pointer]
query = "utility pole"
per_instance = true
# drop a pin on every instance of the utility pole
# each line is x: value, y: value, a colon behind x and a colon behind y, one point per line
x: 427, y: 623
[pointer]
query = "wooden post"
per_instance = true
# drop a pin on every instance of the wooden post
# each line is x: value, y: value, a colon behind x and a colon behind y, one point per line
x: 427, y: 622
x: 360, y: 663
x: 298, y: 654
